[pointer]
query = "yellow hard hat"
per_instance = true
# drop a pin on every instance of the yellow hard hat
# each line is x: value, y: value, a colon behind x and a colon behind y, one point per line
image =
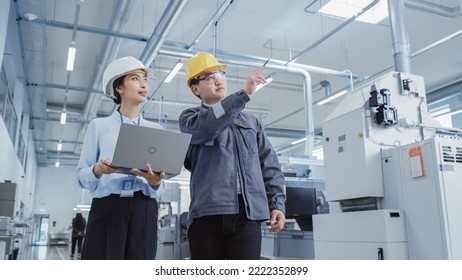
x: 200, y: 63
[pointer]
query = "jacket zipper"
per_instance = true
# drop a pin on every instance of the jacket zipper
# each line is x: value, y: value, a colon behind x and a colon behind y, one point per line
x: 239, y: 168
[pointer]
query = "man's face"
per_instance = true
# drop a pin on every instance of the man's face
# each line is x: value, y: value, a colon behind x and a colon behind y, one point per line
x: 211, y: 87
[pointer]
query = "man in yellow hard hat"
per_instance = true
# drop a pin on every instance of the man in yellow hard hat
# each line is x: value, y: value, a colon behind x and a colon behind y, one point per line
x: 236, y: 180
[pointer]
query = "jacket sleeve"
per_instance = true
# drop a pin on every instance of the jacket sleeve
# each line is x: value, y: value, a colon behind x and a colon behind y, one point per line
x: 88, y: 158
x: 272, y: 173
x: 206, y: 123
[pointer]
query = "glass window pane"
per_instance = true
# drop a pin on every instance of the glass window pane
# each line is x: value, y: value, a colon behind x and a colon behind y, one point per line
x: 10, y: 119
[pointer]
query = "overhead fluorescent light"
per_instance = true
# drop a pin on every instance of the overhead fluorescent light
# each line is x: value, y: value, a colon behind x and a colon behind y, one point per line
x: 332, y: 97
x: 346, y: 9
x: 268, y: 80
x: 298, y: 141
x: 449, y: 113
x: 57, y: 163
x: 63, y: 118
x: 83, y: 206
x: 440, y: 112
x: 173, y: 72
x: 70, y: 58
x: 59, y: 147
x: 300, y: 160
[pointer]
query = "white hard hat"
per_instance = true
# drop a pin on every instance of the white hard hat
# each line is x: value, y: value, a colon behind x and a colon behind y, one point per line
x: 120, y: 67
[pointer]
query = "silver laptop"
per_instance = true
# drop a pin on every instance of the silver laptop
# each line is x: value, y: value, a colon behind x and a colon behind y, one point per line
x: 164, y: 150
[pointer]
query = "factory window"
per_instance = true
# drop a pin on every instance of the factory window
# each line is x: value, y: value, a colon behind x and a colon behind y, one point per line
x: 2, y: 101
x: 444, y: 120
x: 3, y: 89
x: 7, y: 111
x: 21, y: 152
x: 10, y: 118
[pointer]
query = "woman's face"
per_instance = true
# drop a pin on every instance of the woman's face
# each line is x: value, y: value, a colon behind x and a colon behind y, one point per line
x: 134, y: 88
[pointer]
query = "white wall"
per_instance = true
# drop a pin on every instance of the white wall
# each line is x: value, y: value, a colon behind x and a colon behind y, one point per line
x: 456, y: 104
x: 57, y: 193
x: 10, y: 167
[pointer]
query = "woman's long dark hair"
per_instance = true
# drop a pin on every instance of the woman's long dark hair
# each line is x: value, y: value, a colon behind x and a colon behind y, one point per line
x: 79, y: 221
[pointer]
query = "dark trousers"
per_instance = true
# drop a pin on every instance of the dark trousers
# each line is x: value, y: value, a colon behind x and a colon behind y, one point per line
x: 121, y: 228
x: 219, y: 237
x: 76, y: 240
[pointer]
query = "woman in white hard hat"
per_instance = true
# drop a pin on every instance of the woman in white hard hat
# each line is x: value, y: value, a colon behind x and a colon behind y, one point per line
x: 121, y: 224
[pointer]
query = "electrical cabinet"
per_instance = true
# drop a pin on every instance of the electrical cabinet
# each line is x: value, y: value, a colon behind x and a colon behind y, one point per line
x: 7, y: 199
x: 424, y: 180
x: 361, y: 235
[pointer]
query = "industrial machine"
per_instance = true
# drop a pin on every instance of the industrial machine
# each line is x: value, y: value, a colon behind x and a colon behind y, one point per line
x: 304, y: 199
x: 171, y: 233
x: 390, y: 176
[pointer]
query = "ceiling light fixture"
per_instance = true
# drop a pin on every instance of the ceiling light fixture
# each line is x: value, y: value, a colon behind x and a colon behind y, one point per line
x: 440, y: 112
x: 298, y: 141
x: 173, y: 72
x: 71, y: 57
x: 332, y: 97
x: 30, y: 16
x: 268, y: 79
x: 449, y: 113
x: 63, y: 117
x: 347, y: 9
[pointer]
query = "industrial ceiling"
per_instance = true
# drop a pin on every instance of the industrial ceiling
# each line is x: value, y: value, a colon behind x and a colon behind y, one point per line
x: 307, y: 48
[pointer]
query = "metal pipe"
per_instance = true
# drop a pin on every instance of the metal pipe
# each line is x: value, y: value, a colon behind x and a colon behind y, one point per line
x: 182, y: 47
x: 335, y: 30
x: 111, y: 48
x: 307, y: 91
x: 400, y: 37
x: 314, y: 88
x: 218, y: 14
x: 167, y: 21
x: 434, y: 8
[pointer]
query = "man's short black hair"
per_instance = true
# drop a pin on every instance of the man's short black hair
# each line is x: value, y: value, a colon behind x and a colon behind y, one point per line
x: 192, y: 82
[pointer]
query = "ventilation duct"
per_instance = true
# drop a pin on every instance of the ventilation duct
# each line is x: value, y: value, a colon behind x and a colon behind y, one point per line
x: 401, y: 48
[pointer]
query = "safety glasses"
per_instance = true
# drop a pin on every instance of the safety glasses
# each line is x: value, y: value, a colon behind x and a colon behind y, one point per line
x: 213, y: 76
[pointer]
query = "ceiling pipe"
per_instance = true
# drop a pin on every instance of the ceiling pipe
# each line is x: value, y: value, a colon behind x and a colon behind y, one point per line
x: 218, y: 14
x: 432, y: 8
x: 400, y: 37
x: 307, y: 89
x: 111, y: 48
x: 162, y: 30
x: 160, y: 33
x: 335, y: 30
x: 109, y: 52
x: 323, y: 84
x: 445, y: 93
x: 36, y: 102
x: 326, y: 85
x: 182, y: 47
x: 261, y: 112
x: 415, y: 54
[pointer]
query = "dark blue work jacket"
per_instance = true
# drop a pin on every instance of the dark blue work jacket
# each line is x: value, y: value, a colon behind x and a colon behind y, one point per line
x: 227, y: 143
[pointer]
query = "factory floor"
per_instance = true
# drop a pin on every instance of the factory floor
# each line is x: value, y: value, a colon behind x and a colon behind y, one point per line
x: 51, y: 252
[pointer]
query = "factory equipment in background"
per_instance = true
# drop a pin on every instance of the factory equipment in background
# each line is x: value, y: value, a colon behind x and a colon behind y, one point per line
x: 390, y: 173
x: 171, y: 234
x: 304, y: 199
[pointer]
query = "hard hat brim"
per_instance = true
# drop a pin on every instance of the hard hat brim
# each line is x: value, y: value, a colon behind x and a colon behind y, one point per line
x: 109, y: 91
